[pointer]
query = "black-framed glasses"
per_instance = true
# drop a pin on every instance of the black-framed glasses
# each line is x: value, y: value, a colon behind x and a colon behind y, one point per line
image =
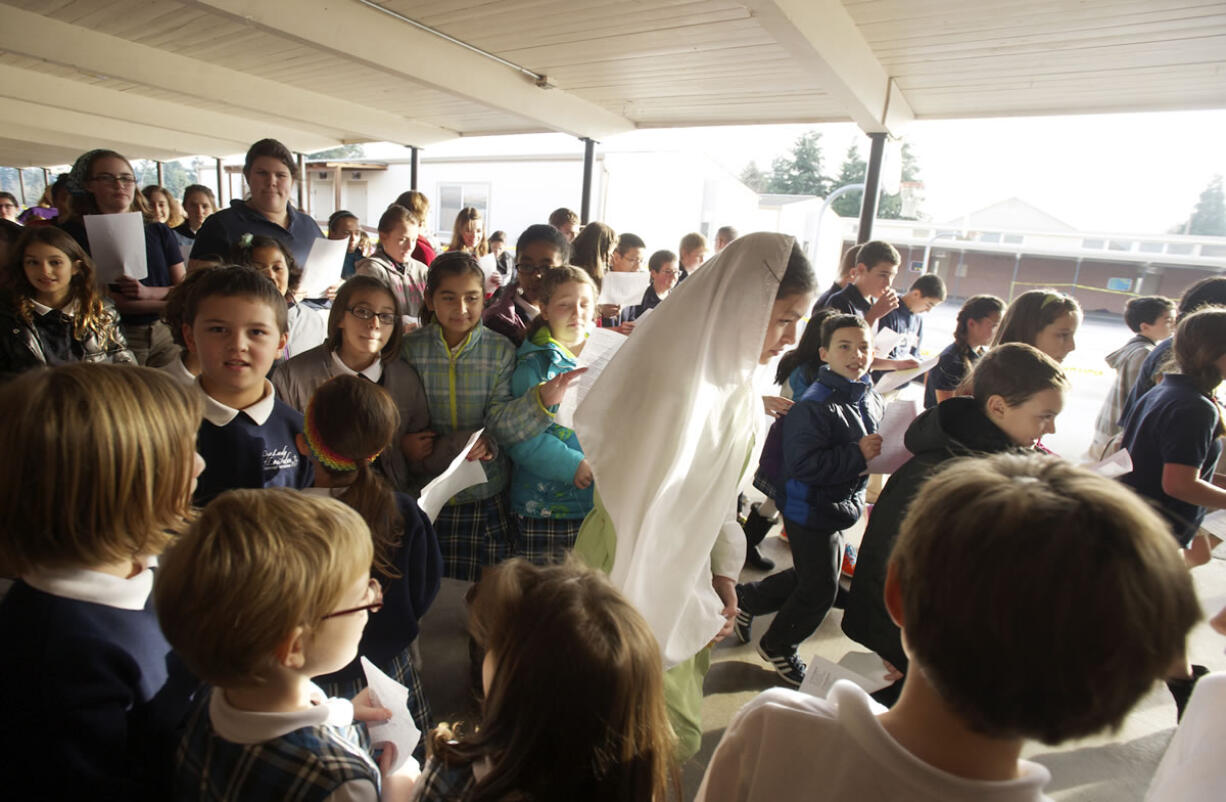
x: 121, y: 180
x: 375, y: 590
x: 366, y: 313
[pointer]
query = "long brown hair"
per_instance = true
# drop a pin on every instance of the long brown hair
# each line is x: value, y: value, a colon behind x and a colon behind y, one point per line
x: 977, y: 307
x: 355, y: 419
x: 467, y: 215
x: 1031, y: 312
x: 174, y: 211
x: 1200, y: 341
x: 83, y: 204
x: 91, y: 317
x: 340, y: 307
x: 575, y: 709
x: 590, y: 250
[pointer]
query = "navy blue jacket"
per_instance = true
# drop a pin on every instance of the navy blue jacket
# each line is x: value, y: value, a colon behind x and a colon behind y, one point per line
x: 822, y: 463
x: 1145, y: 379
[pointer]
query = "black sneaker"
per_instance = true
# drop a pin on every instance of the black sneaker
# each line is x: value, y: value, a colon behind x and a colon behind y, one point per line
x: 741, y: 626
x: 756, y: 560
x: 788, y: 666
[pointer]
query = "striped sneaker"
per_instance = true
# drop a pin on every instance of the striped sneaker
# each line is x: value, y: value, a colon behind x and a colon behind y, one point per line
x: 788, y: 666
x: 741, y: 626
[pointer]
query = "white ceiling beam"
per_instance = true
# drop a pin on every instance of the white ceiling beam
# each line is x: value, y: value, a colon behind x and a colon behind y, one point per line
x: 825, y: 40
x: 64, y: 93
x: 35, y: 123
x: 36, y: 36
x: 15, y: 153
x: 363, y: 34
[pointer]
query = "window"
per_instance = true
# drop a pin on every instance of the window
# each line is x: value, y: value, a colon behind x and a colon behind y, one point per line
x: 1093, y: 244
x: 1014, y: 239
x: 1119, y: 245
x: 989, y: 236
x: 454, y: 197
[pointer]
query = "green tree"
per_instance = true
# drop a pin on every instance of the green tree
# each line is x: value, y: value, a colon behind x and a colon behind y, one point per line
x: 852, y: 172
x: 753, y: 177
x: 1209, y: 215
x: 800, y: 173
x: 338, y: 153
x: 890, y: 207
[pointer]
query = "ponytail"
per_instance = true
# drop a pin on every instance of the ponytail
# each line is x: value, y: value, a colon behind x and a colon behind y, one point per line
x: 976, y: 308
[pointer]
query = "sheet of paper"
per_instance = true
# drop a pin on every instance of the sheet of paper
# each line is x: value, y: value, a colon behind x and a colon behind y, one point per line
x: 885, y: 341
x: 117, y: 246
x: 400, y: 730
x: 489, y: 265
x: 602, y: 344
x: 460, y: 475
x: 821, y: 674
x: 897, y: 378
x: 898, y: 416
x: 323, y: 266
x: 624, y: 289
x: 1115, y: 465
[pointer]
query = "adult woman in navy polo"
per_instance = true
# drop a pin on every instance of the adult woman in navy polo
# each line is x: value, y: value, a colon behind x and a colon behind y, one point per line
x: 270, y: 171
x: 103, y: 182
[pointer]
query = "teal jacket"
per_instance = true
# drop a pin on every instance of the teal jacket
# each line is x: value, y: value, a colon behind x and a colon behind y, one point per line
x: 542, y: 480
x: 470, y: 388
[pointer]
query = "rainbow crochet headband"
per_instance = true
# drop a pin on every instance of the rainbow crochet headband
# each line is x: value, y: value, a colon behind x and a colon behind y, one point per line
x: 326, y: 456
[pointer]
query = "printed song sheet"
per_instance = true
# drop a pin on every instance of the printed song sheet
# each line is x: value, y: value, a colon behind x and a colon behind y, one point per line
x: 600, y: 348
x: 400, y: 730
x: 460, y: 475
x: 885, y: 341
x: 897, y: 378
x: 863, y: 668
x: 117, y: 246
x: 323, y: 266
x: 624, y: 289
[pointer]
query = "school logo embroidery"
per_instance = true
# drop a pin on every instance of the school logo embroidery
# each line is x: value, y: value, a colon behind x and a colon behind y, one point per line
x: 280, y: 459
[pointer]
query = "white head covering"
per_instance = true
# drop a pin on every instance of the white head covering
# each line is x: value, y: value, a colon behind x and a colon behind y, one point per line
x: 668, y: 429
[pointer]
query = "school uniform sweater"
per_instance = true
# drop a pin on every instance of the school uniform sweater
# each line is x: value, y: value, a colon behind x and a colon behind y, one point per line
x: 90, y: 691
x: 543, y: 476
x: 405, y: 598
x: 821, y: 481
x: 469, y: 387
x: 249, y: 448
x: 232, y: 755
x: 407, y: 280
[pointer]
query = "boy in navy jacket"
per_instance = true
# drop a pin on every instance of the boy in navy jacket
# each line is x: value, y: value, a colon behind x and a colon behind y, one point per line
x: 828, y: 438
x: 235, y: 323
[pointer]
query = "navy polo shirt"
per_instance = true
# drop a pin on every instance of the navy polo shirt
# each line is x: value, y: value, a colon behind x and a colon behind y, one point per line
x: 221, y: 230
x: 1145, y: 379
x: 850, y: 301
x: 161, y: 251
x: 947, y: 375
x: 1172, y: 423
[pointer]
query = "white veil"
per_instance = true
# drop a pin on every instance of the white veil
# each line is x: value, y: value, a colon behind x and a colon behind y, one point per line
x: 668, y: 428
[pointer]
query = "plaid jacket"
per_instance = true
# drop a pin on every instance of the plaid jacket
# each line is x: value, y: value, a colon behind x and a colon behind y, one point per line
x: 441, y: 783
x: 304, y: 765
x: 471, y: 389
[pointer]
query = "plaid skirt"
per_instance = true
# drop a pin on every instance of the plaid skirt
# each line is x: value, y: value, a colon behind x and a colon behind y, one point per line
x: 543, y: 541
x: 475, y: 535
x: 403, y: 671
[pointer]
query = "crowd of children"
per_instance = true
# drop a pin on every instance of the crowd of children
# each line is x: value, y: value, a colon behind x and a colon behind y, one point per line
x: 189, y: 603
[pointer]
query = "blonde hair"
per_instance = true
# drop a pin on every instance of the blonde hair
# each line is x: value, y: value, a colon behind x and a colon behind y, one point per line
x: 174, y: 211
x: 555, y: 278
x: 255, y: 565
x: 99, y: 467
x: 692, y: 242
x: 468, y: 215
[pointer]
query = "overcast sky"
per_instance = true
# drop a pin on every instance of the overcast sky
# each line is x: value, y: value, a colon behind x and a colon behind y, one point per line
x: 1123, y: 173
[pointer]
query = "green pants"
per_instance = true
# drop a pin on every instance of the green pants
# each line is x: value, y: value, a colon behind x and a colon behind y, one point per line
x: 596, y: 545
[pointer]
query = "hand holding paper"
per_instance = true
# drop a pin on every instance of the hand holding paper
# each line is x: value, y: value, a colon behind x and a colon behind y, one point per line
x: 323, y: 266
x: 600, y: 348
x: 400, y: 730
x: 460, y: 475
x: 117, y: 246
x: 895, y: 379
x: 894, y: 423
x: 863, y: 668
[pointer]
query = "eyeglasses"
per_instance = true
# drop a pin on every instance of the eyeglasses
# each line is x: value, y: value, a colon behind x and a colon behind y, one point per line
x: 670, y: 273
x: 375, y: 591
x: 121, y: 180
x: 532, y: 270
x: 366, y: 313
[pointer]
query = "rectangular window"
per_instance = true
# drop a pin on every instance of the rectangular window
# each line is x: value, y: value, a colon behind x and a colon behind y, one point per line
x: 454, y: 197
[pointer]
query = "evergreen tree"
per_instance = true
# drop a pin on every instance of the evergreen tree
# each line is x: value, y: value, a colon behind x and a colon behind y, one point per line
x: 890, y: 207
x: 1209, y: 215
x: 337, y: 153
x: 753, y: 177
x: 800, y: 173
x: 852, y: 172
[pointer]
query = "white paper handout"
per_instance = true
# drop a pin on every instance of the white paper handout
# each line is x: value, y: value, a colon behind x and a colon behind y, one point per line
x: 602, y: 344
x: 897, y: 378
x: 898, y: 416
x: 489, y: 265
x: 400, y: 730
x: 323, y: 266
x: 623, y: 289
x: 117, y: 246
x: 1115, y: 465
x: 863, y: 668
x: 460, y: 475
x: 884, y: 342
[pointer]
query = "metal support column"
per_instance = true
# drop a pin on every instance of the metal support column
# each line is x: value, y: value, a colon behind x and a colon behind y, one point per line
x: 21, y: 184
x: 414, y: 165
x: 872, y: 184
x: 221, y: 187
x: 1017, y: 265
x: 301, y: 182
x: 161, y: 175
x: 589, y: 157
x: 46, y: 180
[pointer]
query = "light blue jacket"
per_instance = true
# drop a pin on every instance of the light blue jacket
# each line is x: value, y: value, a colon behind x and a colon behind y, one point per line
x: 543, y: 473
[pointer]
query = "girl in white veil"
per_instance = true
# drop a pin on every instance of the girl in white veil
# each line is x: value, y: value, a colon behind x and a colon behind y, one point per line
x: 669, y: 428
